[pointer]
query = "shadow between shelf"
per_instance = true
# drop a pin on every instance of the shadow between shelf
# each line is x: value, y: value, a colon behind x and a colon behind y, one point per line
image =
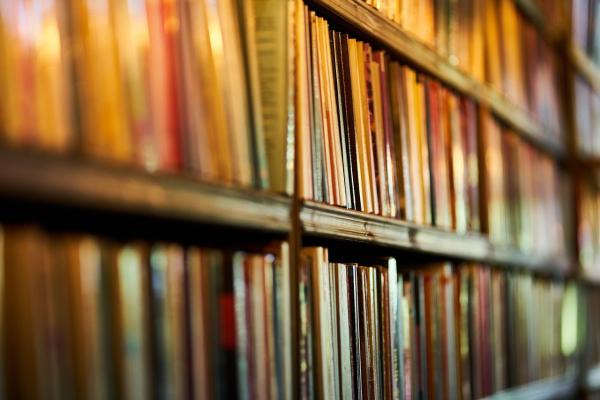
x: 562, y: 387
x: 56, y: 180
x: 377, y: 28
x: 338, y: 223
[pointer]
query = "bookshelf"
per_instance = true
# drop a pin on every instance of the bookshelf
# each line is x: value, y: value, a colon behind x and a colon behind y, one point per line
x: 72, y: 181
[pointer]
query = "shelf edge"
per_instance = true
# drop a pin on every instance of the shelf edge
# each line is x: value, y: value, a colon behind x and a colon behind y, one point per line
x: 59, y: 180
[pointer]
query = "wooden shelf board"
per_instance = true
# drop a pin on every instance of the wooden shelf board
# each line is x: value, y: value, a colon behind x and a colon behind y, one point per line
x: 380, y: 29
x: 83, y: 184
x: 563, y: 387
x: 585, y: 66
x: 339, y: 223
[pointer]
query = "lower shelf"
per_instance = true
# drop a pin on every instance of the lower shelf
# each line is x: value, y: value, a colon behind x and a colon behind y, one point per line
x: 336, y: 222
x: 552, y: 388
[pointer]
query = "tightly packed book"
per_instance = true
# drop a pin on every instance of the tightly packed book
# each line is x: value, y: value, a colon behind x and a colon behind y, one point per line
x: 197, y: 86
x: 84, y: 317
x: 376, y: 136
x: 382, y: 330
x: 491, y: 41
x: 525, y: 193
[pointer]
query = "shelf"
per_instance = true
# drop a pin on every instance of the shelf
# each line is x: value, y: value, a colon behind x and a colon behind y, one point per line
x: 339, y: 223
x: 585, y: 66
x: 57, y: 180
x: 379, y: 29
x: 553, y: 388
x: 592, y: 379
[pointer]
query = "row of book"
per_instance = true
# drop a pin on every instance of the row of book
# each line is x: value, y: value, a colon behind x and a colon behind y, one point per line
x: 585, y: 23
x: 525, y: 191
x: 589, y: 228
x: 84, y: 317
x: 587, y: 117
x: 379, y: 137
x: 491, y: 41
x: 202, y: 86
x: 374, y: 330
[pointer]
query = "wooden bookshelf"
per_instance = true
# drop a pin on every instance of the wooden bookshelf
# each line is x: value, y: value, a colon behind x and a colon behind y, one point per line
x: 338, y: 223
x: 553, y: 388
x: 55, y: 180
x: 372, y: 24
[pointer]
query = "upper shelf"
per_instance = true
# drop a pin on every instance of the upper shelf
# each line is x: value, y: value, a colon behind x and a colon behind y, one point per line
x: 59, y: 180
x: 339, y: 223
x: 371, y: 23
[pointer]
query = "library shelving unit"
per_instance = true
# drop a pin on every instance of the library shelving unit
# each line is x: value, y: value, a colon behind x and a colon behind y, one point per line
x: 585, y: 171
x: 31, y: 179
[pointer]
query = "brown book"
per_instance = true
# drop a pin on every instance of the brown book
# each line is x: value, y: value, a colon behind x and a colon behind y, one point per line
x: 82, y: 258
x: 355, y: 330
x: 440, y: 177
x: 390, y: 143
x: 350, y: 132
x: 335, y: 39
x: 366, y: 351
x: 401, y: 140
x: 465, y: 288
x: 201, y: 265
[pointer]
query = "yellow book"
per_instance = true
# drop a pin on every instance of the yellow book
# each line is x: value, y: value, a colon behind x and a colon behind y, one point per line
x: 326, y: 111
x: 337, y: 167
x: 228, y: 57
x: 359, y: 125
x: 423, y: 151
x: 302, y: 105
x: 274, y: 37
x: 413, y: 144
x: 104, y: 120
